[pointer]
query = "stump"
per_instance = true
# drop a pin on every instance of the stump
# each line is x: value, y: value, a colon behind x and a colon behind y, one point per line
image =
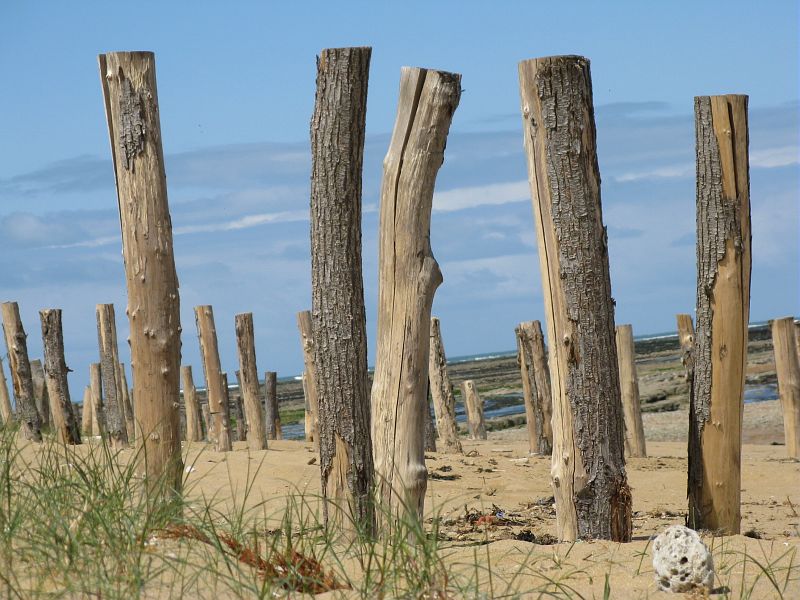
x: 444, y: 403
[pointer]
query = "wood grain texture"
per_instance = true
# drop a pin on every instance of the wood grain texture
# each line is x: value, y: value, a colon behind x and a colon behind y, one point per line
x: 723, y: 311
x: 588, y: 465
x: 444, y: 402
x: 194, y: 429
x: 788, y: 367
x: 635, y: 444
x: 20, y: 367
x: 408, y: 276
x: 220, y: 433
x: 65, y: 424
x: 249, y: 389
x: 473, y: 404
x: 129, y: 87
x: 538, y: 405
x: 116, y: 428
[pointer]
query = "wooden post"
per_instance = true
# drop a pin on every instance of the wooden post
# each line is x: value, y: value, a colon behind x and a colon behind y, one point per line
x: 308, y: 421
x: 114, y: 410
x: 87, y: 412
x: 208, y: 424
x: 131, y: 100
x: 629, y: 386
x: 407, y: 280
x: 55, y: 368
x: 473, y: 404
x: 220, y: 433
x: 226, y: 404
x: 430, y: 425
x: 444, y: 403
x: 6, y: 412
x: 249, y: 388
x: 686, y: 340
x: 723, y: 311
x: 788, y: 368
x: 130, y: 421
x: 590, y: 485
x: 238, y: 406
x: 98, y: 409
x: 194, y: 431
x: 40, y: 392
x: 538, y: 411
x: 20, y: 367
x: 797, y: 337
x: 310, y: 389
x: 337, y: 289
x: 272, y: 417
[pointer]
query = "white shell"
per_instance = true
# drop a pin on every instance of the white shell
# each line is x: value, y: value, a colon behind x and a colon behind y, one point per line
x: 682, y: 561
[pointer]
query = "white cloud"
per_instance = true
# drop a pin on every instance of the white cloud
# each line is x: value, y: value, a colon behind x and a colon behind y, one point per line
x: 668, y: 172
x: 769, y: 158
x: 482, y: 195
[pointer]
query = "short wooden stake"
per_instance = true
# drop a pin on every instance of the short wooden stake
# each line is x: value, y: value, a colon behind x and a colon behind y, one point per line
x: 130, y: 420
x: 304, y: 324
x: 55, y: 369
x: 788, y: 368
x: 194, y: 430
x: 20, y: 367
x: 686, y: 341
x: 40, y: 392
x: 590, y: 485
x: 226, y: 403
x: 538, y: 405
x: 408, y: 276
x: 249, y: 388
x: 207, y: 332
x: 430, y: 426
x: 629, y: 385
x: 238, y: 409
x: 87, y: 412
x: 114, y: 408
x: 272, y: 416
x: 208, y: 423
x: 308, y: 414
x: 98, y: 412
x: 444, y: 403
x: 473, y: 404
x: 6, y: 412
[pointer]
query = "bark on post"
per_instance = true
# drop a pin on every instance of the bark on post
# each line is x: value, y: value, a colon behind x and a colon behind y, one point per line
x: 337, y: 289
x: 131, y: 101
x: 194, y: 431
x: 98, y: 408
x: 310, y: 386
x: 473, y: 405
x: 629, y: 386
x: 444, y: 403
x: 407, y: 281
x: 220, y: 432
x: 530, y: 348
x: 723, y: 311
x: 6, y: 412
x: 590, y: 485
x: 40, y: 392
x: 249, y: 388
x: 55, y: 369
x: 788, y: 368
x: 87, y: 412
x: 114, y: 412
x: 20, y: 367
x: 273, y: 417
x: 130, y: 421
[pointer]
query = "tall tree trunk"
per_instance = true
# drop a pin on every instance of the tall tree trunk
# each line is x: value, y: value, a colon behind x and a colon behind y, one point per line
x: 6, y: 412
x: 408, y: 278
x: 273, y: 417
x: 220, y: 433
x: 194, y: 431
x: 40, y: 392
x: 131, y: 99
x: 337, y: 288
x: 20, y: 367
x: 444, y: 403
x: 537, y: 406
x: 788, y: 368
x: 473, y: 405
x: 245, y: 339
x: 310, y: 385
x: 723, y: 311
x: 109, y: 369
x: 130, y: 422
x: 98, y: 409
x: 55, y: 368
x: 629, y: 385
x: 590, y: 485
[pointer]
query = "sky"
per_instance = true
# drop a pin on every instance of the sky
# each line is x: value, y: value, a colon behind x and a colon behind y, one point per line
x: 236, y: 90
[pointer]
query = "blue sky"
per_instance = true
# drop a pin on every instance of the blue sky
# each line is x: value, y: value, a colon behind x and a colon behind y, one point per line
x: 236, y: 88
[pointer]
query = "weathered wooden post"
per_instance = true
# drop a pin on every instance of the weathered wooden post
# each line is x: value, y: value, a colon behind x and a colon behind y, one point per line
x: 629, y: 386
x: 226, y: 403
x: 130, y: 421
x: 430, y: 425
x: 310, y: 386
x: 444, y: 403
x: 20, y: 368
x: 98, y: 408
x: 723, y: 311
x: 194, y: 431
x: 407, y: 280
x: 788, y: 368
x: 308, y: 416
x: 114, y: 410
x: 208, y: 424
x: 6, y: 412
x: 473, y: 404
x: 686, y: 340
x: 337, y: 289
x: 131, y: 101
x: 537, y: 405
x: 87, y: 412
x: 220, y: 433
x: 272, y: 416
x: 55, y: 369
x: 590, y: 485
x: 238, y: 407
x: 249, y: 388
x: 797, y: 337
x: 40, y: 392
x: 544, y: 395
